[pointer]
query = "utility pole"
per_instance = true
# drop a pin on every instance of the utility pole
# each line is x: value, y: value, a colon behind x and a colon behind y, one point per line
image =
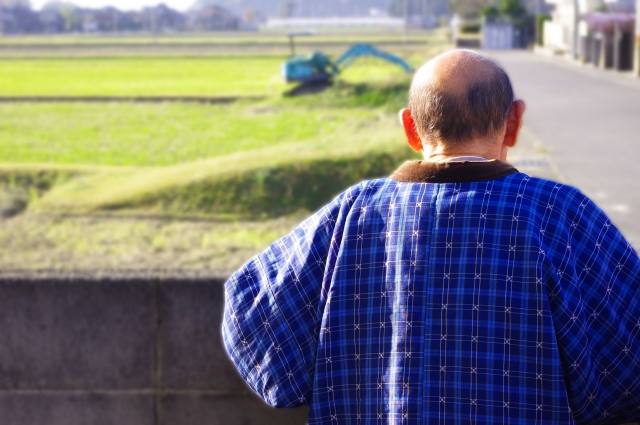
x: 292, y: 45
x: 636, y: 53
x: 154, y: 25
x: 406, y: 20
x: 424, y: 12
x: 576, y: 30
x: 538, y: 9
x: 114, y: 24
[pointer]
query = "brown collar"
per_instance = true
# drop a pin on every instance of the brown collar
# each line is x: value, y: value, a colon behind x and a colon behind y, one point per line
x: 452, y: 172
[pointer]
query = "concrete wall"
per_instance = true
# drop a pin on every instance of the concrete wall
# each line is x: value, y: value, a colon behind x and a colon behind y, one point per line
x: 123, y: 350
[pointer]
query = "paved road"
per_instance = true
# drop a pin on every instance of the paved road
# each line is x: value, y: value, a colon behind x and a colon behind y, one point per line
x: 582, y: 127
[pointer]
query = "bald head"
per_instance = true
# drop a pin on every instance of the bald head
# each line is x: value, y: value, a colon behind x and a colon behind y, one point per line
x: 458, y: 97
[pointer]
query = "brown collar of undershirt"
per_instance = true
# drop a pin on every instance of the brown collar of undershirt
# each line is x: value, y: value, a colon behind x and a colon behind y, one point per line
x: 452, y: 172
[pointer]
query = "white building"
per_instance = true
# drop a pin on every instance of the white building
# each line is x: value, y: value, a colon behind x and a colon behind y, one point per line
x: 373, y: 21
x: 562, y: 33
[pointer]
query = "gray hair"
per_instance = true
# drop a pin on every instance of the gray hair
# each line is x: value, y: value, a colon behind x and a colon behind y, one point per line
x: 481, y: 111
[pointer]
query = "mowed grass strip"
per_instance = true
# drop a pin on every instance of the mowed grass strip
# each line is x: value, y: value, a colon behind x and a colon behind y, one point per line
x: 220, y: 76
x: 264, y: 182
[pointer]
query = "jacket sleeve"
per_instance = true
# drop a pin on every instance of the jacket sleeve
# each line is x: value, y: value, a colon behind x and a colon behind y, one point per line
x: 596, y: 309
x: 272, y: 310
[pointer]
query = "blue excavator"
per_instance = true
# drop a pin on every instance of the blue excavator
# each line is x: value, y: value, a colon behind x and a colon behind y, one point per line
x: 317, y: 68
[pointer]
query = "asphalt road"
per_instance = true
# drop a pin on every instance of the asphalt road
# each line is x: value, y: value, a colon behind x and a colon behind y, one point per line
x: 582, y: 127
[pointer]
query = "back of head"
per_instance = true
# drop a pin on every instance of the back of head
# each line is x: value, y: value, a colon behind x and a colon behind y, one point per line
x: 460, y: 97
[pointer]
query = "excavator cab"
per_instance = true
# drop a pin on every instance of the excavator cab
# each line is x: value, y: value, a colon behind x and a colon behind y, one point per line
x: 310, y: 69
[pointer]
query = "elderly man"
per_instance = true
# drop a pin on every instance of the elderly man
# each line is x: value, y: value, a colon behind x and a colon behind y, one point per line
x: 456, y: 291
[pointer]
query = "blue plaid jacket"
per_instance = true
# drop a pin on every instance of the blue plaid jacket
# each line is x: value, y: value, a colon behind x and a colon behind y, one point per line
x: 459, y: 293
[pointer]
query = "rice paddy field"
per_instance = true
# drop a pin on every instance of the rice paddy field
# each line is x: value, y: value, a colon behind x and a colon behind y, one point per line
x: 172, y: 184
x: 148, y: 76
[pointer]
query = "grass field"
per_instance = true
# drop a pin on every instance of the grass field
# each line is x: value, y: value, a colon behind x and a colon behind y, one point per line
x: 182, y: 185
x: 128, y: 134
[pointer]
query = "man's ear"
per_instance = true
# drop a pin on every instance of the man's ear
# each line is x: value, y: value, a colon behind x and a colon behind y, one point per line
x: 410, y: 130
x: 514, y: 123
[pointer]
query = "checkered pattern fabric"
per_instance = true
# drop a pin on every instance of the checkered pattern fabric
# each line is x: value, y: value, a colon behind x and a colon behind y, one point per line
x: 511, y: 301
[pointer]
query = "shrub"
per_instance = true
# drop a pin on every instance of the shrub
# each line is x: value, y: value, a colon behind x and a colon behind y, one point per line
x: 490, y: 12
x: 470, y: 28
x: 541, y: 18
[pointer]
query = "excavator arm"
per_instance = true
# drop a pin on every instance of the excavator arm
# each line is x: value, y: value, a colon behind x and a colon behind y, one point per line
x: 358, y: 50
x: 317, y: 68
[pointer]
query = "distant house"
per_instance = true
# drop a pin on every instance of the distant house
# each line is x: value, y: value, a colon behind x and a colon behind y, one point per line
x: 107, y: 19
x: 252, y: 18
x: 15, y: 3
x: 51, y: 21
x: 379, y: 22
x: 19, y: 20
x: 212, y: 18
x: 129, y: 21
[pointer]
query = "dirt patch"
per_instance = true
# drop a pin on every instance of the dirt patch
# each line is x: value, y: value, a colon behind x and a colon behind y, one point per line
x: 13, y: 201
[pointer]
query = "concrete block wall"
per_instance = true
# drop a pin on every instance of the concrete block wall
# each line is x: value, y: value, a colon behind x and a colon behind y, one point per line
x: 121, y: 349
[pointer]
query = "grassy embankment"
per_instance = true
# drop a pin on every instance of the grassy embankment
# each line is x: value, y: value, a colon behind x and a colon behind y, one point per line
x: 240, y: 161
x: 252, y: 159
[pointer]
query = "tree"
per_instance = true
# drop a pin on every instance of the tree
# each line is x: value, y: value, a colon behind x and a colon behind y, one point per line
x: 69, y: 12
x: 71, y: 19
x: 511, y: 8
x: 490, y: 11
x: 469, y: 9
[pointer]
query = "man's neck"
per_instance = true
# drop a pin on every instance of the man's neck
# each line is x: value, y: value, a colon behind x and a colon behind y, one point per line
x: 458, y: 157
x: 484, y: 150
